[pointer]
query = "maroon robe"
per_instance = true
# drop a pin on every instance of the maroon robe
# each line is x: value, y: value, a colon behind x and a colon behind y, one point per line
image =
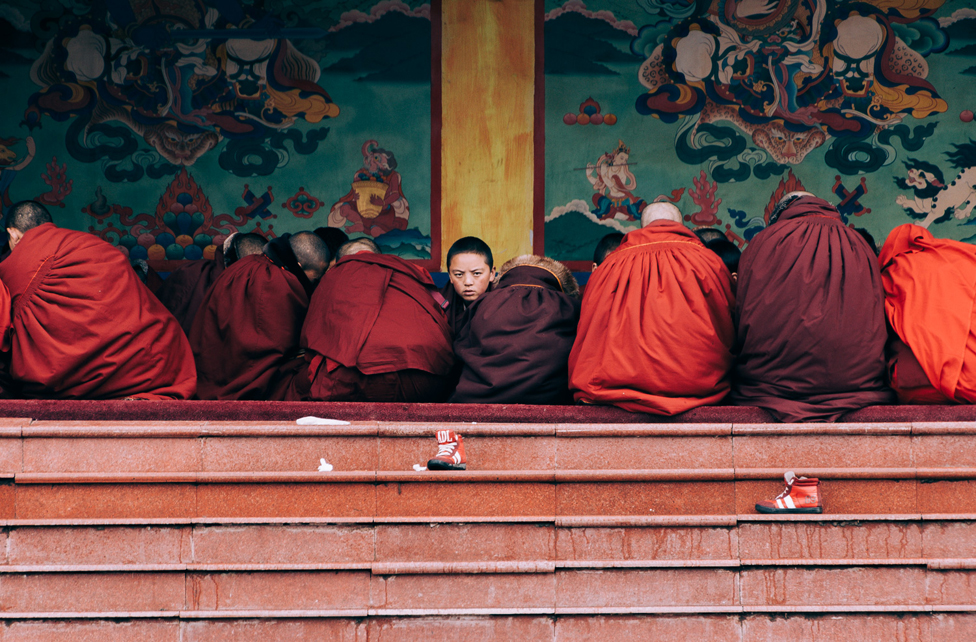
x: 516, y: 342
x: 85, y: 327
x: 810, y: 318
x: 376, y: 333
x: 245, y: 337
x: 185, y: 288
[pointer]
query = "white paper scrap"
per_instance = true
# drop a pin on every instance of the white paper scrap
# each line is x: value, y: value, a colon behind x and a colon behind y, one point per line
x: 419, y: 468
x: 319, y: 421
x: 324, y: 466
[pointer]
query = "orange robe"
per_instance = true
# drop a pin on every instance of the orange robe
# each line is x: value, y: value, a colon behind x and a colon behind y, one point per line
x: 655, y: 332
x: 930, y: 292
x: 84, y: 325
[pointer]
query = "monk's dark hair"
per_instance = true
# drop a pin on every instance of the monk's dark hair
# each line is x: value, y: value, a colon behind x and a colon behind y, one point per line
x: 26, y: 215
x: 728, y: 251
x: 607, y: 244
x: 310, y: 251
x: 867, y: 237
x: 358, y: 245
x: 334, y: 238
x: 706, y: 234
x: 471, y: 245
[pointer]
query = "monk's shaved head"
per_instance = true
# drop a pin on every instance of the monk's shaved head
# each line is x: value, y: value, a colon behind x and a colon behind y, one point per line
x: 660, y: 212
x: 26, y: 215
x: 312, y: 254
x: 248, y: 244
x: 356, y: 246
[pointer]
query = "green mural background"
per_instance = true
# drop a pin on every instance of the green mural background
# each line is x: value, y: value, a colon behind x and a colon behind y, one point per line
x: 164, y: 126
x: 867, y: 104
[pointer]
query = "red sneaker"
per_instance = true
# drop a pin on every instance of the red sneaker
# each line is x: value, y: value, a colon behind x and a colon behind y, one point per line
x: 802, y: 495
x: 450, y: 452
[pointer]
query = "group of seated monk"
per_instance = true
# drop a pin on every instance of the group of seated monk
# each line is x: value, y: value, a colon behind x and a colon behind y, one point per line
x: 809, y: 324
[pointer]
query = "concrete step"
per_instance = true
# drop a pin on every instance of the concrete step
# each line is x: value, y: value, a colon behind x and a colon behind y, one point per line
x: 934, y: 541
x: 102, y: 447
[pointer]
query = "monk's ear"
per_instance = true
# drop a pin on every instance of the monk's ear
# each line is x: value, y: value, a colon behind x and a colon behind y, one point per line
x: 14, y: 236
x: 494, y: 275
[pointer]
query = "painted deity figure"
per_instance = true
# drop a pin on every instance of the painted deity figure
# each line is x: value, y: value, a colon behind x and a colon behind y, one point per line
x: 375, y: 203
x: 614, y: 183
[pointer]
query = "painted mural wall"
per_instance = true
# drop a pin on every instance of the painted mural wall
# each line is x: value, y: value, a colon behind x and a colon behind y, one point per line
x: 165, y: 125
x: 722, y: 106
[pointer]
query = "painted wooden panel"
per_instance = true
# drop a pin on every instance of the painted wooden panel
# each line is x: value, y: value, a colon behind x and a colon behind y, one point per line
x: 487, y: 154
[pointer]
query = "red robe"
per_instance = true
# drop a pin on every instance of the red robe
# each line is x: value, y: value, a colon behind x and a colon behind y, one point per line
x: 930, y: 294
x: 85, y: 326
x: 810, y: 318
x: 373, y: 315
x: 185, y: 288
x: 655, y: 332
x: 245, y: 336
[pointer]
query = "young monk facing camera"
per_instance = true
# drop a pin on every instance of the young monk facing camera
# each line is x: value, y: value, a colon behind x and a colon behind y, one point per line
x: 471, y: 270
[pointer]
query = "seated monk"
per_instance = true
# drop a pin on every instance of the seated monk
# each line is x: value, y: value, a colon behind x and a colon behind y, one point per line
x: 375, y: 333
x: 516, y: 341
x: 655, y: 332
x: 471, y: 272
x: 334, y: 238
x: 183, y: 290
x: 810, y: 316
x: 929, y: 302
x: 84, y: 325
x: 607, y: 244
x: 246, y: 336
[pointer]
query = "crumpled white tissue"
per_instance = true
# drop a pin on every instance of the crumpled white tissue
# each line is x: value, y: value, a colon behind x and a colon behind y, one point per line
x: 419, y: 468
x: 319, y: 421
x: 324, y: 466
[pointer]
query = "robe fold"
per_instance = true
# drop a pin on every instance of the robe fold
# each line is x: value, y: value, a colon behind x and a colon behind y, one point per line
x: 930, y: 294
x: 655, y: 332
x: 246, y: 335
x: 84, y: 325
x: 516, y: 342
x: 810, y: 318
x: 375, y: 315
x: 185, y: 288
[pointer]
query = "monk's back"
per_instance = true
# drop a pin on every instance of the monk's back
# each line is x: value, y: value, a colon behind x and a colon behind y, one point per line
x: 84, y: 326
x: 655, y: 331
x: 810, y: 320
x: 247, y: 330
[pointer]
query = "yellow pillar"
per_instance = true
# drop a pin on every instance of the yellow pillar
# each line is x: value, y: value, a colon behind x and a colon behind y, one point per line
x: 488, y: 79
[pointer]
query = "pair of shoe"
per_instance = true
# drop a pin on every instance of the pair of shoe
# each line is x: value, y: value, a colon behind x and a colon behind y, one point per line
x: 802, y: 494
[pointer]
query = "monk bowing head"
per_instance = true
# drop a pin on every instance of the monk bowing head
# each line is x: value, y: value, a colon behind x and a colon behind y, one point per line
x: 358, y: 246
x: 470, y: 267
x: 239, y: 245
x: 25, y: 216
x: 660, y: 212
x: 312, y: 254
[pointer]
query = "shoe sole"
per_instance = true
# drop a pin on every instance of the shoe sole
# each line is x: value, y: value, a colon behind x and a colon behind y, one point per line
x: 436, y: 464
x: 765, y: 509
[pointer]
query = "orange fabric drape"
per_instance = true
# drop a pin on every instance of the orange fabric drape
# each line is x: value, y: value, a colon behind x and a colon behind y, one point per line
x: 930, y: 291
x: 655, y: 332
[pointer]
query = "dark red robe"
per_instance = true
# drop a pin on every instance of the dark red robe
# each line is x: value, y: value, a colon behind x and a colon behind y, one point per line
x: 246, y: 335
x: 516, y: 342
x: 184, y: 289
x: 375, y: 333
x: 84, y: 325
x: 930, y: 304
x: 655, y: 333
x: 810, y: 318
